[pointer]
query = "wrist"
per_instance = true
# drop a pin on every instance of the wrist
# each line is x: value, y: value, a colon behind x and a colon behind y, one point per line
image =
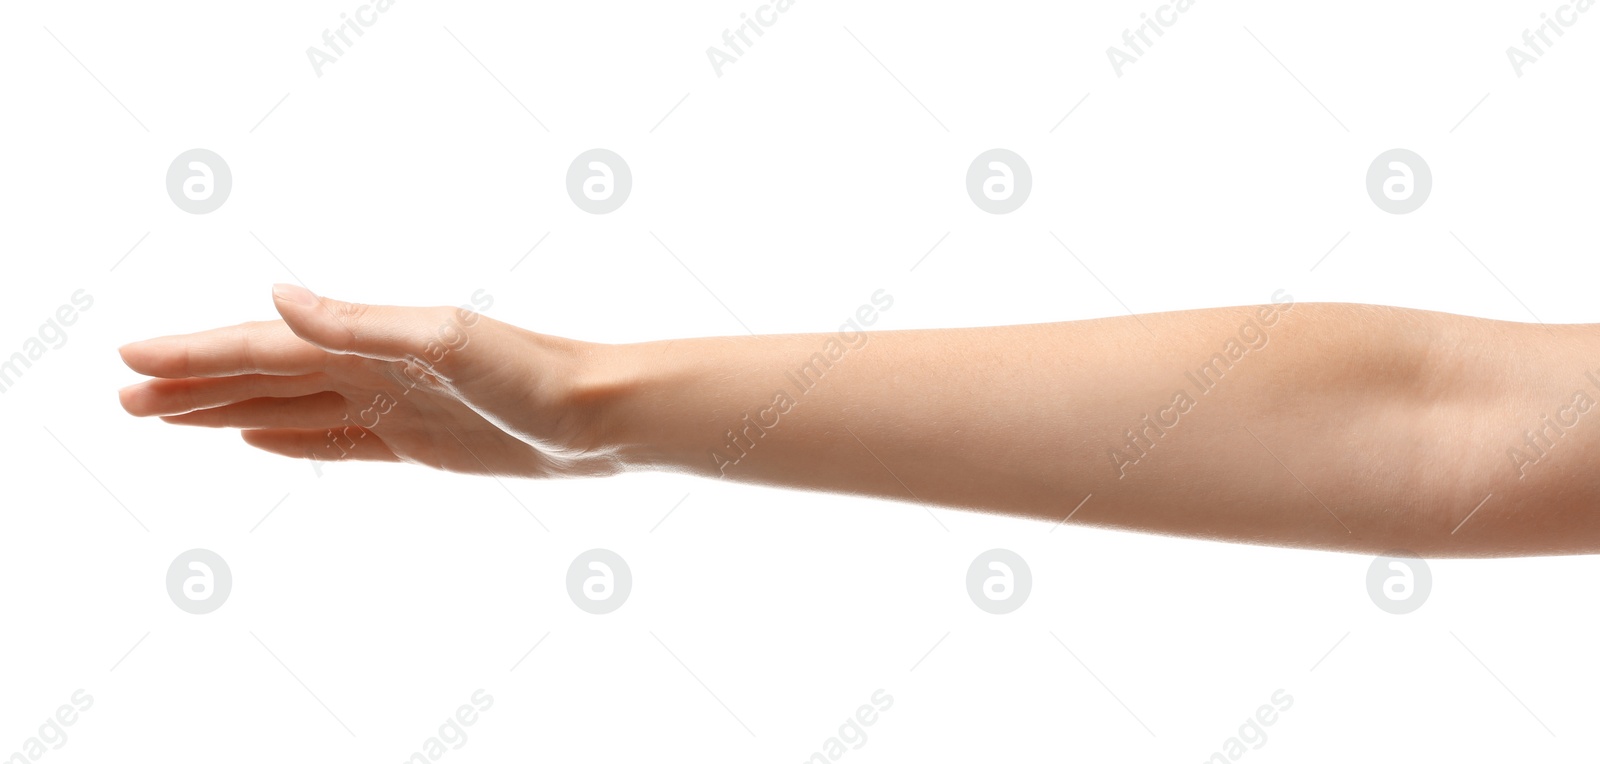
x: 617, y: 391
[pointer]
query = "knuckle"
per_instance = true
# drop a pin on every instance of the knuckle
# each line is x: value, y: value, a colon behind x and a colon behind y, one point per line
x: 442, y: 318
x: 354, y: 311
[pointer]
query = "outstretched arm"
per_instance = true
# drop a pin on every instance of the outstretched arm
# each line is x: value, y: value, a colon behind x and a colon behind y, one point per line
x: 1334, y: 426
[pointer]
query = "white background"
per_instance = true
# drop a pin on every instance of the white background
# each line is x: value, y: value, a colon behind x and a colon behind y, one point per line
x: 793, y: 186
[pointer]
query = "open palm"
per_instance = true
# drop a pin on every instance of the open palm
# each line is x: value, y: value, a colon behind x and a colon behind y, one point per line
x: 442, y: 387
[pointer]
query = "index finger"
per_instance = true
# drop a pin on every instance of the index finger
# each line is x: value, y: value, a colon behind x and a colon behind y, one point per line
x: 258, y: 347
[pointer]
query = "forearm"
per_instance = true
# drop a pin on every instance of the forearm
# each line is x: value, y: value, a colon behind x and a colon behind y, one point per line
x: 1332, y: 426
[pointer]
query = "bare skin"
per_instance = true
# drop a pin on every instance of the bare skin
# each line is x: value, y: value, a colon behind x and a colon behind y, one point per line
x: 1331, y: 426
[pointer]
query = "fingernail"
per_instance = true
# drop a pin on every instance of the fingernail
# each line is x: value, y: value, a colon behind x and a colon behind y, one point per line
x: 293, y: 293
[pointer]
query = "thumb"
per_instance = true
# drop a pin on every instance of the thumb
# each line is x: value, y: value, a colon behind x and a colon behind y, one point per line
x: 373, y: 331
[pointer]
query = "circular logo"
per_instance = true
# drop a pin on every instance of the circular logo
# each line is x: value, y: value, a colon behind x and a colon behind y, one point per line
x: 1398, y: 582
x: 599, y: 181
x: 999, y: 181
x: 199, y: 581
x: 199, y: 181
x: 999, y: 581
x: 1399, y: 181
x: 599, y: 581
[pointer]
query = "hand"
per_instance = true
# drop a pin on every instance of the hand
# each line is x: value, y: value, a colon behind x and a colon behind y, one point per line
x: 443, y: 387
